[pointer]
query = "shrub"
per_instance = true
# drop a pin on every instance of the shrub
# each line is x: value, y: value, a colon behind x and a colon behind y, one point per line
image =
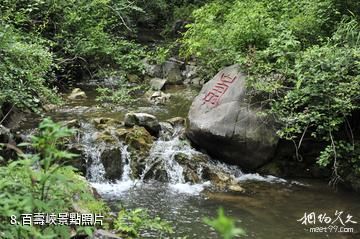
x: 24, y: 70
x: 225, y: 225
x: 40, y: 183
x: 134, y: 222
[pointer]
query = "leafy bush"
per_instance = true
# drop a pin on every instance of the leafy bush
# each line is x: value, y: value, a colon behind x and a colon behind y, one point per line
x: 24, y: 69
x: 48, y: 42
x: 224, y: 32
x: 316, y: 90
x: 40, y: 183
x: 225, y: 226
x: 124, y: 93
x: 134, y: 222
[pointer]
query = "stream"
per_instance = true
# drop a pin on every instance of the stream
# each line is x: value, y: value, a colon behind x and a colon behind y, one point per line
x: 271, y: 209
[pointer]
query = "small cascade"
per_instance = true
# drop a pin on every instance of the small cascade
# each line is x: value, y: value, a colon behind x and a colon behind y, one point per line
x: 93, y: 151
x: 95, y: 171
x: 162, y: 155
x: 126, y: 159
x: 171, y: 160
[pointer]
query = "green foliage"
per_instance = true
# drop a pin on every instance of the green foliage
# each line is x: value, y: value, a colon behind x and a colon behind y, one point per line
x: 225, y: 32
x: 133, y: 222
x: 345, y: 152
x: 40, y: 183
x: 158, y: 13
x: 77, y: 29
x: 302, y: 59
x: 123, y: 94
x: 225, y: 226
x: 43, y: 43
x: 159, y: 55
x: 318, y: 88
x: 25, y: 66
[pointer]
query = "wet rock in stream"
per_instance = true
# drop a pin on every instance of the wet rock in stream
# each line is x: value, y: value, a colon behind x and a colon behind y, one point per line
x: 148, y: 121
x: 77, y: 94
x: 139, y: 142
x: 112, y: 162
x: 112, y: 150
x: 158, y: 97
x: 157, y: 84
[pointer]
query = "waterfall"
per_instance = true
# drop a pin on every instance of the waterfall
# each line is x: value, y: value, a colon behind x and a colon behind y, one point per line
x: 95, y: 169
x: 126, y: 159
x: 162, y: 164
x: 93, y: 151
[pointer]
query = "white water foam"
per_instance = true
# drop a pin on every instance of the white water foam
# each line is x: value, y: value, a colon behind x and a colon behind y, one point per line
x: 164, y: 152
x: 258, y: 177
x: 187, y: 188
x: 116, y: 188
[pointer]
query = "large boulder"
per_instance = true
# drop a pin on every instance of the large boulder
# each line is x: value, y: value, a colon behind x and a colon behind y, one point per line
x: 225, y: 122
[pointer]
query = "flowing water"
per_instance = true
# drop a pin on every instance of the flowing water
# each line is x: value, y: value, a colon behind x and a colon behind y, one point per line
x: 271, y: 208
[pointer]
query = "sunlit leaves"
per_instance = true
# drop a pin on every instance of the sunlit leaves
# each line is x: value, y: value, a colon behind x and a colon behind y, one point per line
x: 225, y: 225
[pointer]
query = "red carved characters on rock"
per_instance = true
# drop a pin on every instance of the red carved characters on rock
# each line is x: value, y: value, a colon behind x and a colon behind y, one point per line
x: 214, y: 95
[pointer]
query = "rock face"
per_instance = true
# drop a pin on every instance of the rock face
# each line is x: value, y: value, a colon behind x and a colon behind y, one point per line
x: 224, y: 122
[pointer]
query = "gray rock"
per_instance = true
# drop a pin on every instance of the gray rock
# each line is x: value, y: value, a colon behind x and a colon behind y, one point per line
x: 77, y: 94
x: 177, y: 121
x: 102, y: 234
x: 49, y: 107
x: 148, y: 121
x: 105, y: 123
x: 157, y: 83
x: 159, y: 98
x: 111, y: 159
x: 74, y: 123
x: 167, y: 130
x: 190, y: 71
x: 197, y: 81
x: 172, y: 72
x: 139, y: 142
x: 152, y: 70
x: 224, y: 122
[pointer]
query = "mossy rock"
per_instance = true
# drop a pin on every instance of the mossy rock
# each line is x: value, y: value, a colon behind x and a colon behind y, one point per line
x: 139, y: 143
x: 104, y: 136
x: 103, y: 123
x: 139, y: 139
x: 111, y: 159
